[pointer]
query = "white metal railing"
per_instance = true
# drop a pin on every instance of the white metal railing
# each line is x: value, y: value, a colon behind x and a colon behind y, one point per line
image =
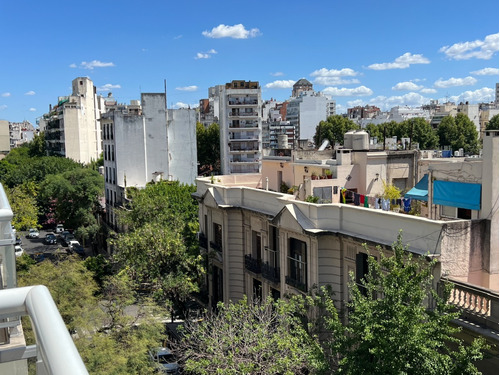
x: 55, y: 351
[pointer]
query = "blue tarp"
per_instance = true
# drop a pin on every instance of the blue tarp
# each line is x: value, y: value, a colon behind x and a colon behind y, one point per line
x: 420, y: 191
x: 457, y: 194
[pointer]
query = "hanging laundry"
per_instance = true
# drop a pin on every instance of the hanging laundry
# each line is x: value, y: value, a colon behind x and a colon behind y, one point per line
x: 406, y: 204
x: 386, y: 204
x: 356, y: 199
x: 366, y: 203
x: 343, y: 193
x: 361, y: 199
x: 377, y: 203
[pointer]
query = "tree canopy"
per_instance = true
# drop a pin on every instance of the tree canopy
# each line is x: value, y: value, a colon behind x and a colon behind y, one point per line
x: 493, y: 123
x: 391, y: 329
x: 459, y: 132
x: 249, y: 338
x: 333, y: 129
x: 208, y: 148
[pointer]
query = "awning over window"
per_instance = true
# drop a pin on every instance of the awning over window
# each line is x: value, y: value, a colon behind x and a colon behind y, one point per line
x: 420, y: 191
x: 457, y: 194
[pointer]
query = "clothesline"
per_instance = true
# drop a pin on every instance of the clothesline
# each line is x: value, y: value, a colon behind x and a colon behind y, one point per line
x: 374, y: 202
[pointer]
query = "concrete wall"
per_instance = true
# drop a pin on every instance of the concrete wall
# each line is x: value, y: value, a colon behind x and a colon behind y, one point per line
x: 4, y: 136
x: 182, y: 153
x: 153, y: 109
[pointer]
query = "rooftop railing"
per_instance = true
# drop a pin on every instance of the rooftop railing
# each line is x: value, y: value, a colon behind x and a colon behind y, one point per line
x: 55, y: 351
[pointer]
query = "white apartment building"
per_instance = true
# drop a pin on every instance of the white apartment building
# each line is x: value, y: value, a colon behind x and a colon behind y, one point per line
x: 145, y: 142
x: 237, y: 106
x: 20, y: 132
x: 307, y: 110
x: 4, y: 137
x: 71, y: 127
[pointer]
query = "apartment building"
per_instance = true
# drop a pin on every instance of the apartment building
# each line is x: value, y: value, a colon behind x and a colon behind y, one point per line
x: 4, y: 138
x: 20, y: 133
x: 237, y: 106
x: 306, y: 109
x: 71, y: 127
x: 146, y: 142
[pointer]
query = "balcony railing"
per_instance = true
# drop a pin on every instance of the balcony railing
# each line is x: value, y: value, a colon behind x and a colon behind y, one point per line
x: 243, y: 114
x: 253, y: 264
x: 55, y: 351
x: 296, y: 283
x: 476, y: 304
x: 271, y: 273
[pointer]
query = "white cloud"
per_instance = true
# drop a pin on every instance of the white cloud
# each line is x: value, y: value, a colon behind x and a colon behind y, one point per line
x: 428, y: 91
x: 6, y: 94
x: 358, y: 91
x: 402, y: 62
x: 412, y: 99
x: 187, y: 88
x: 2, y: 107
x: 235, y: 32
x: 30, y: 93
x: 108, y: 87
x: 205, y: 55
x: 467, y: 81
x: 334, y: 81
x: 355, y: 103
x: 32, y: 109
x: 486, y: 72
x: 177, y: 37
x: 345, y: 72
x: 93, y: 64
x: 479, y: 49
x: 179, y: 105
x: 277, y: 74
x: 485, y: 94
x: 285, y: 84
x: 406, y: 86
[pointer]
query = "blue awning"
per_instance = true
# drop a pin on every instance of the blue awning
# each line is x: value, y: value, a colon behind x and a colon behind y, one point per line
x: 420, y: 191
x: 457, y: 194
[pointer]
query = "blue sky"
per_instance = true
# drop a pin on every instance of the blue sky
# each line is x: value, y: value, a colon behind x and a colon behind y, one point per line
x: 384, y: 53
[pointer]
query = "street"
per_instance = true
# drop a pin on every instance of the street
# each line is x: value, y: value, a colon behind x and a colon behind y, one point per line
x: 37, y: 246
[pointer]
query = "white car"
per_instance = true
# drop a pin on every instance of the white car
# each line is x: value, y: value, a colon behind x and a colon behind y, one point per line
x: 59, y: 228
x: 18, y: 250
x: 33, y: 233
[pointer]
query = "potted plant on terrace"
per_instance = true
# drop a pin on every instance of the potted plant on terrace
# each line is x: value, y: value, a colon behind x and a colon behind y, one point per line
x: 314, y: 176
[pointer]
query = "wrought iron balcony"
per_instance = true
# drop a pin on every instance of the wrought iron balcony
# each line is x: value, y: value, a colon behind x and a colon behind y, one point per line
x: 215, y: 246
x: 252, y: 264
x: 271, y: 273
x: 296, y: 283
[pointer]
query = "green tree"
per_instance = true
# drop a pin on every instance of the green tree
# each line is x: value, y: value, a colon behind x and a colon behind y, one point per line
x: 250, y: 338
x: 421, y: 132
x: 458, y: 132
x: 37, y: 146
x: 160, y: 248
x: 390, y: 328
x: 493, y: 123
x: 24, y: 206
x: 333, y: 129
x: 75, y: 195
x: 208, y: 149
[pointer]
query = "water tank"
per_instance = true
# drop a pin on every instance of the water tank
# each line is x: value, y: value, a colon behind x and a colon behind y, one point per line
x: 361, y: 141
x: 348, y: 139
x: 282, y: 141
x: 324, y: 145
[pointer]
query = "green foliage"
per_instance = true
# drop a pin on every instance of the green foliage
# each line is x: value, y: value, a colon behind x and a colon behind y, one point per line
x: 160, y: 247
x: 390, y: 328
x: 250, y: 338
x: 459, y: 132
x: 37, y: 146
x: 312, y: 199
x: 72, y: 287
x: 390, y: 191
x: 333, y: 129
x: 417, y: 129
x: 208, y: 149
x: 23, y: 202
x: 284, y: 188
x: 493, y: 123
x: 75, y: 197
x: 100, y: 268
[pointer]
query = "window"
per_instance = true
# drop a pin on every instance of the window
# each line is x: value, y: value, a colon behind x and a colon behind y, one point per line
x: 361, y: 270
x: 273, y: 249
x: 217, y: 237
x: 256, y: 246
x: 297, y: 264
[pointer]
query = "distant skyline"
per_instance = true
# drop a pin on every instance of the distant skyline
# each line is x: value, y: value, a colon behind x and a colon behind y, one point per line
x: 383, y: 53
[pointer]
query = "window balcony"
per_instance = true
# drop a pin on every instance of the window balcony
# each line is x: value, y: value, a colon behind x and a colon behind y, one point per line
x: 271, y: 273
x: 296, y: 283
x: 252, y: 264
x: 243, y: 114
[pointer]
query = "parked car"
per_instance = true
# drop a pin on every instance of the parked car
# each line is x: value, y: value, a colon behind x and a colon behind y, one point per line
x: 77, y: 248
x: 165, y: 361
x: 66, y: 238
x: 59, y: 228
x: 50, y: 239
x: 19, y: 242
x: 18, y: 250
x: 33, y: 233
